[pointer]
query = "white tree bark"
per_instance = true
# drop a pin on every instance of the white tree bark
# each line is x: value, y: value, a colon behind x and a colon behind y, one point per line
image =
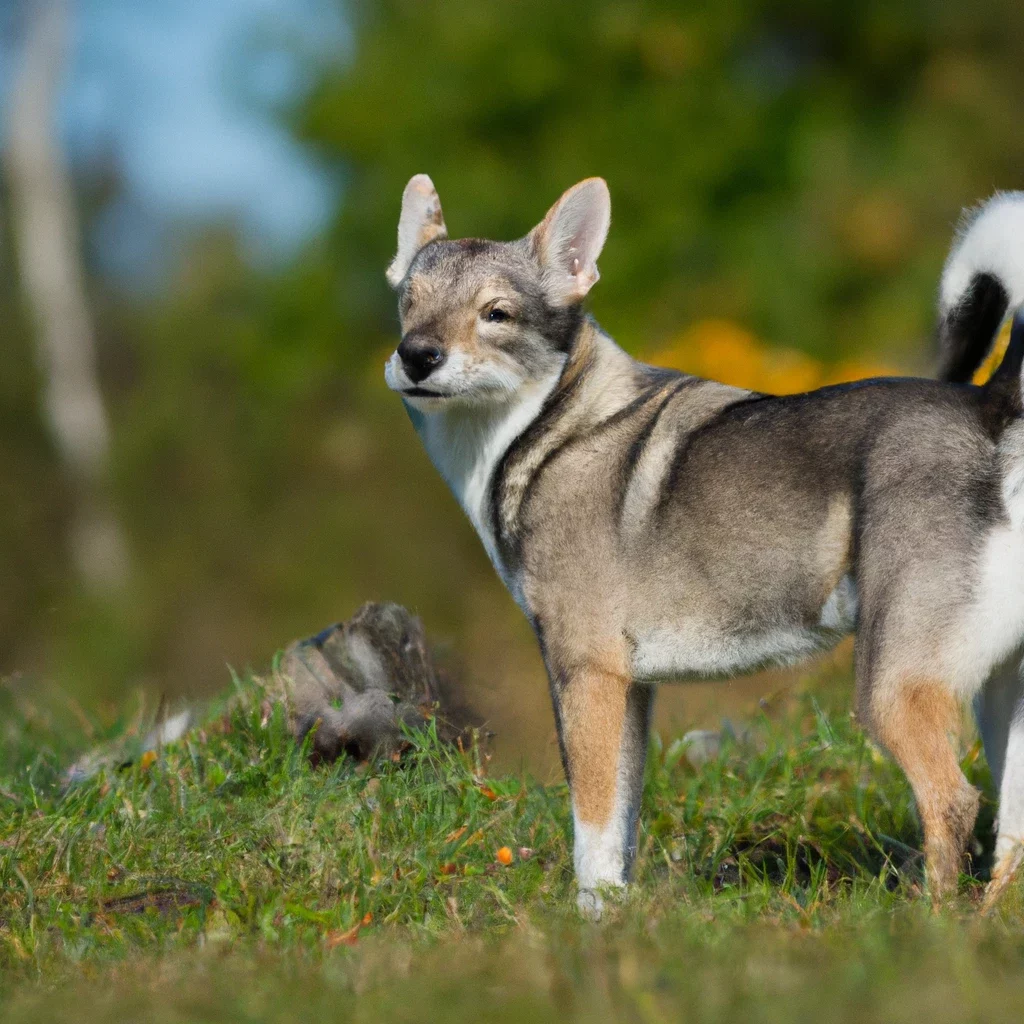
x: 47, y: 246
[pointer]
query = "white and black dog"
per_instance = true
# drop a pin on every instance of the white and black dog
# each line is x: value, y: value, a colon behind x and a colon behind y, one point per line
x: 655, y: 526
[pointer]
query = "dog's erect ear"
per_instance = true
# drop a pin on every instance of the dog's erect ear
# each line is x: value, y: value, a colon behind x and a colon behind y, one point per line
x: 569, y: 239
x: 421, y: 222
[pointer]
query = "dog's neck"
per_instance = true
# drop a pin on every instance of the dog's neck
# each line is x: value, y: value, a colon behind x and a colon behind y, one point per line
x: 467, y: 443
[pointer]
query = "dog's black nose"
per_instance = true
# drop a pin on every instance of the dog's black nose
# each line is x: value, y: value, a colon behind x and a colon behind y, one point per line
x: 420, y: 358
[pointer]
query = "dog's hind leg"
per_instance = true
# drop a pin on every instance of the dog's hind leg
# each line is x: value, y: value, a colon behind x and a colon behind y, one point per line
x: 603, y: 721
x: 999, y: 708
x: 995, y: 708
x: 917, y: 721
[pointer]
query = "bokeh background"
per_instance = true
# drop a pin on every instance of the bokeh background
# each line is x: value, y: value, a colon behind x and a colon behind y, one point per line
x: 198, y: 458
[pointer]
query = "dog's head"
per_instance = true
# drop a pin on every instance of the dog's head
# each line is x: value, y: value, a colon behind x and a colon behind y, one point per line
x: 482, y: 320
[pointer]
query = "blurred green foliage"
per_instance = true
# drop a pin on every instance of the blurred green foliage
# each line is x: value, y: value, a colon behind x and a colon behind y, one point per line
x: 792, y: 167
x: 223, y: 878
x: 795, y: 165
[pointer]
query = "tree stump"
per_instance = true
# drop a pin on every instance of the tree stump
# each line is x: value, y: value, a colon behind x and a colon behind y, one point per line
x: 357, y: 684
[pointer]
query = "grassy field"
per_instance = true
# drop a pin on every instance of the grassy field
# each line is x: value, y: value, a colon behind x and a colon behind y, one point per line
x: 226, y: 879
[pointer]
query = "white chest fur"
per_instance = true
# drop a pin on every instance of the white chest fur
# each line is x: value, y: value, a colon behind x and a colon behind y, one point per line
x: 466, y: 445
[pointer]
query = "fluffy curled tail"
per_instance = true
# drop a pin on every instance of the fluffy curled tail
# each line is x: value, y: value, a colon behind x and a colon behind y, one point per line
x: 982, y: 282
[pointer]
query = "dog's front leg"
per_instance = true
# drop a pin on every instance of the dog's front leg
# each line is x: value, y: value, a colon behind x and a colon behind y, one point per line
x: 603, y: 721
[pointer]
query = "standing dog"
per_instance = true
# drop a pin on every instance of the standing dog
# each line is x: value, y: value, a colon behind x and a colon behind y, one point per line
x: 655, y: 526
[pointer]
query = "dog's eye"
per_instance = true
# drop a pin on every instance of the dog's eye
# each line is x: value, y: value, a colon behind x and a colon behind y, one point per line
x: 497, y: 316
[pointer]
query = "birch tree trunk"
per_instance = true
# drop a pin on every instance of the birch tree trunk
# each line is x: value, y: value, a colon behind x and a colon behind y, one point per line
x: 47, y: 247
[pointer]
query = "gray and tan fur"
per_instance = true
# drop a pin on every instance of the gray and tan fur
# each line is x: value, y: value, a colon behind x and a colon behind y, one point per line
x: 655, y: 526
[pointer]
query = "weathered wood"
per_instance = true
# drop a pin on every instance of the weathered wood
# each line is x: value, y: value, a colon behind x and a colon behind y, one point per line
x: 356, y: 686
x: 359, y: 682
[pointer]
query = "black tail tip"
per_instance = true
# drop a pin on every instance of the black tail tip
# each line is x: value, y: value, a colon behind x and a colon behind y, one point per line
x: 968, y: 330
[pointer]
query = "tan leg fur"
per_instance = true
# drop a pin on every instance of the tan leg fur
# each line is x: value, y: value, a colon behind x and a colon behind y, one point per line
x: 593, y: 709
x: 916, y: 723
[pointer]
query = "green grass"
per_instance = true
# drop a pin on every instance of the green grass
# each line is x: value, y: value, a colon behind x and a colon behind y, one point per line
x: 229, y: 880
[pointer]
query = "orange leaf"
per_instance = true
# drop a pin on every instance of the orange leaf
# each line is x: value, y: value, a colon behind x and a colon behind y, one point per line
x: 367, y: 918
x: 346, y: 938
x: 455, y: 834
x: 448, y: 869
x: 488, y: 792
x: 504, y: 856
x: 147, y: 759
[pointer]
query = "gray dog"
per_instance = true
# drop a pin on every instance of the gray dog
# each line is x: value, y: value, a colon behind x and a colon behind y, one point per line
x: 655, y: 526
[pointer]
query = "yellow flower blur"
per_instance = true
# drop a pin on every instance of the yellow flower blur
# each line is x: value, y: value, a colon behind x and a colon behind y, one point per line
x: 725, y: 351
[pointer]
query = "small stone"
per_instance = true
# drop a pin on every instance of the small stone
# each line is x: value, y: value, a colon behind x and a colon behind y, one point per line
x: 702, y: 746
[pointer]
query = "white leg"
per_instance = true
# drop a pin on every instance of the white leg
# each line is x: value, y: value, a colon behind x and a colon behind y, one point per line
x: 994, y: 709
x: 1000, y: 713
x: 1010, y: 828
x: 599, y: 862
x: 604, y: 851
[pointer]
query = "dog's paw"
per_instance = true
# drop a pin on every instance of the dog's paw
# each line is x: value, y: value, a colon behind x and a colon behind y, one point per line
x: 590, y: 904
x: 594, y: 902
x: 1008, y: 863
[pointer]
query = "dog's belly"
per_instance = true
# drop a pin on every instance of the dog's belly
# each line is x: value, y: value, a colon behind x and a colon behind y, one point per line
x: 700, y: 648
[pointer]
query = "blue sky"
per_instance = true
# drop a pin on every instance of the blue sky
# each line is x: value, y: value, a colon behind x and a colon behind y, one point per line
x: 182, y: 92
